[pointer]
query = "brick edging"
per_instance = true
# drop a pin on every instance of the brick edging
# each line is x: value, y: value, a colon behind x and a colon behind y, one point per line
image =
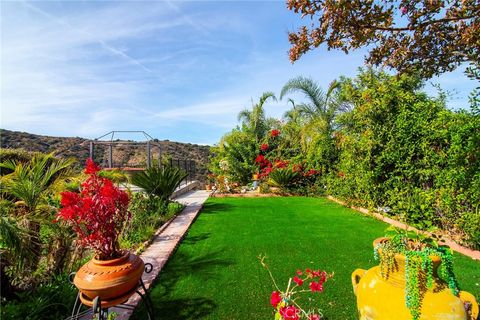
x: 474, y: 254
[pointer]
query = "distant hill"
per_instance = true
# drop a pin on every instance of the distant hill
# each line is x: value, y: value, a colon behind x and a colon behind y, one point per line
x: 123, y: 154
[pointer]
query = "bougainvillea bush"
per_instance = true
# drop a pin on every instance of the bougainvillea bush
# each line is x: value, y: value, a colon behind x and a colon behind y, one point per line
x: 97, y: 214
x: 287, y: 304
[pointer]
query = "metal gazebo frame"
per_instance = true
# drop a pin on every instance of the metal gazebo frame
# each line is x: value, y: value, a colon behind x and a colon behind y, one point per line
x: 149, y: 143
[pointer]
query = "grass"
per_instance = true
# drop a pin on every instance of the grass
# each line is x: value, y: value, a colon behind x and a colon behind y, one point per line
x: 215, y: 273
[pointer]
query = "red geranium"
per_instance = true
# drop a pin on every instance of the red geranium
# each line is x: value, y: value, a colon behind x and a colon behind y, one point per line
x: 97, y: 214
x: 264, y: 147
x: 274, y: 133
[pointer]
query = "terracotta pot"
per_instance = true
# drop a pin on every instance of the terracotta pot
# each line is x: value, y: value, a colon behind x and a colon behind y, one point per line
x: 109, y: 279
x: 380, y: 298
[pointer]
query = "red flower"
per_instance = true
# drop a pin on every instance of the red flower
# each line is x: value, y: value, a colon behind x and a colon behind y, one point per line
x: 299, y: 272
x: 97, y: 214
x: 298, y: 281
x: 91, y: 167
x: 281, y: 164
x: 267, y: 171
x: 259, y: 159
x: 264, y: 147
x: 290, y: 313
x: 314, y: 317
x: 316, y: 286
x: 297, y: 168
x: 274, y: 133
x: 275, y: 299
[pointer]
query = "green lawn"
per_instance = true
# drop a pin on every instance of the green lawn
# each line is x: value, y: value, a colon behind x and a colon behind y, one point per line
x: 215, y: 273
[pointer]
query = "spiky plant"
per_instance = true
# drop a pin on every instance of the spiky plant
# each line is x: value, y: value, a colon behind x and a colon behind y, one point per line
x: 282, y: 178
x: 159, y: 182
x: 29, y: 185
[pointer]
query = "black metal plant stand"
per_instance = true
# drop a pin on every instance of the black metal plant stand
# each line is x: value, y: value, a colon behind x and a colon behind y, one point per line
x: 102, y: 311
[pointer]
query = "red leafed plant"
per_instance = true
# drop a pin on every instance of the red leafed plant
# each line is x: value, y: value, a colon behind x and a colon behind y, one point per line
x: 97, y: 214
x: 286, y: 303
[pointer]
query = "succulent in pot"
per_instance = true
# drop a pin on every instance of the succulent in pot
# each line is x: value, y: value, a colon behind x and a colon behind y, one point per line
x: 98, y: 214
x: 414, y: 280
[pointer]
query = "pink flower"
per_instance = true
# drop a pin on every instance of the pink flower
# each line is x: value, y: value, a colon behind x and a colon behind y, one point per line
x: 264, y: 147
x: 275, y: 299
x: 299, y: 272
x: 290, y: 313
x: 314, y: 317
x: 404, y: 10
x: 298, y: 281
x: 274, y: 133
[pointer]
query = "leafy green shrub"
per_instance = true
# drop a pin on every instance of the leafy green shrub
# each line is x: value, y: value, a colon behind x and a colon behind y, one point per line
x: 159, y: 182
x: 174, y: 208
x: 148, y: 214
x: 16, y: 155
x: 115, y: 175
x: 52, y: 300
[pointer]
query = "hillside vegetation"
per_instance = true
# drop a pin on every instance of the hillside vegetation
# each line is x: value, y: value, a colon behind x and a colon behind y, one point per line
x: 123, y: 154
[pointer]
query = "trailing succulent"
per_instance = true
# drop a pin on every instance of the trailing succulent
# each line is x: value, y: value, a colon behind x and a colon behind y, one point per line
x: 419, y: 272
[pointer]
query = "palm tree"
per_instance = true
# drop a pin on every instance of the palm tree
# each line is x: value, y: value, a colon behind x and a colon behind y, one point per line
x: 315, y: 117
x: 255, y: 120
x: 14, y: 249
x: 28, y: 185
x: 321, y: 105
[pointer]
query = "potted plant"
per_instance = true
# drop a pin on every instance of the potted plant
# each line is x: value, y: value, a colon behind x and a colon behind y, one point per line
x: 210, y: 181
x: 414, y: 280
x: 98, y: 214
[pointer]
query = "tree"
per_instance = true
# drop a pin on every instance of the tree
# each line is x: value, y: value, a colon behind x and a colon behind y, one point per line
x: 29, y: 185
x: 429, y: 37
x: 317, y: 118
x: 321, y: 105
x: 255, y: 120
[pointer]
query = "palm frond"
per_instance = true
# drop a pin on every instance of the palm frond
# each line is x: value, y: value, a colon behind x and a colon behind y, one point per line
x: 159, y: 182
x: 309, y: 88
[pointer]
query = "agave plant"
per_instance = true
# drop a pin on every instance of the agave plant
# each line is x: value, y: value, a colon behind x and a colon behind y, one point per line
x: 159, y: 182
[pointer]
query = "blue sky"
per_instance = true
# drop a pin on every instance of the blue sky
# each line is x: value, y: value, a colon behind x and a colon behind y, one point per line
x: 178, y: 70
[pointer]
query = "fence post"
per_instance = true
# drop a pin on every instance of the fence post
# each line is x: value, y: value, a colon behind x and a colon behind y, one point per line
x: 149, y: 157
x: 110, y: 156
x: 91, y: 150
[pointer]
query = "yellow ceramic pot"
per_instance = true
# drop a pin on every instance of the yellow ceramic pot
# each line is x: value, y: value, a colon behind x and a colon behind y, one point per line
x: 382, y: 299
